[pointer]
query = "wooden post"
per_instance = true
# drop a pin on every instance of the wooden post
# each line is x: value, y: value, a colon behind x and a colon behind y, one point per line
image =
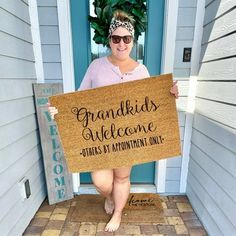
x: 58, y: 179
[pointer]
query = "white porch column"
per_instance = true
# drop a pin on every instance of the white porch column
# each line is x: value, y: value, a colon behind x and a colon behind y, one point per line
x: 34, y: 20
x: 168, y: 55
x: 67, y: 62
x: 196, y: 51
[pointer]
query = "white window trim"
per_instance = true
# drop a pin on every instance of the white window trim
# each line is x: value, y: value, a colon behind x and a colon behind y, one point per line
x: 168, y: 55
x: 66, y: 46
x: 196, y: 51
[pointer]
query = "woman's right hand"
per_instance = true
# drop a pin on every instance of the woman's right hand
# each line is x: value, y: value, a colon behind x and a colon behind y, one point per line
x: 52, y: 110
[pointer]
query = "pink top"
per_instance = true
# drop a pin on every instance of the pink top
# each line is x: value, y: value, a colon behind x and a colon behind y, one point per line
x: 102, y: 72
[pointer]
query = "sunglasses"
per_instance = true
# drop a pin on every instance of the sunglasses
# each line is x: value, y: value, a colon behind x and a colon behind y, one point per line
x: 126, y: 39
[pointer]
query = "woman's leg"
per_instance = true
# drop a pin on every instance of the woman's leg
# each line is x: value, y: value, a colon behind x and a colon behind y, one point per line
x: 120, y: 194
x: 103, y: 181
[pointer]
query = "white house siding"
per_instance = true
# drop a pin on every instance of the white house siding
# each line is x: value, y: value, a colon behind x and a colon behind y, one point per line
x: 181, y: 72
x: 19, y: 144
x: 211, y: 185
x: 49, y: 33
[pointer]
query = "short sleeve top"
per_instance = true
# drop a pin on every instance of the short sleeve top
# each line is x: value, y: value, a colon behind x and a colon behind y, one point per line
x: 102, y: 72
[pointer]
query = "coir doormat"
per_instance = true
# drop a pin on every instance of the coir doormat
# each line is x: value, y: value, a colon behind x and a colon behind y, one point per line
x: 101, y: 128
x: 140, y: 208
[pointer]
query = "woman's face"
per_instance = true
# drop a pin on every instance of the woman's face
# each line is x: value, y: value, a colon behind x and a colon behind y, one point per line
x: 121, y: 50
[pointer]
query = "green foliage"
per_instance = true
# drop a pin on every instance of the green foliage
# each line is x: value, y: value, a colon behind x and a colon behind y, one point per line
x: 104, y: 10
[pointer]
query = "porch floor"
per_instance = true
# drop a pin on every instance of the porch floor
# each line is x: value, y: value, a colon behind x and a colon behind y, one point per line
x: 55, y: 220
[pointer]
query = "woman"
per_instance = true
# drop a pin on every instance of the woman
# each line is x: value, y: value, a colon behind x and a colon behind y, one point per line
x: 118, y: 67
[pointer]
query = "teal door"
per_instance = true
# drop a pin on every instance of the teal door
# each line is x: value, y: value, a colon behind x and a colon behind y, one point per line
x: 150, y: 56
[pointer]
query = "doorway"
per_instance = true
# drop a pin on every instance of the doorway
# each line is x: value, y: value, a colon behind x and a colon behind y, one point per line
x: 147, y: 51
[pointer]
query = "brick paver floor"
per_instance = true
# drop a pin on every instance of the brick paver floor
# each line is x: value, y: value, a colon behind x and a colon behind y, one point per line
x: 55, y: 220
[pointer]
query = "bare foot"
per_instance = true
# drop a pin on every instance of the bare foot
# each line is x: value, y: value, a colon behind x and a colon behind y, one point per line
x: 109, y: 206
x: 114, y: 222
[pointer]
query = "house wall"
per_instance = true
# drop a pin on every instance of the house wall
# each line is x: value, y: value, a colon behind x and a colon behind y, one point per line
x: 49, y: 33
x: 211, y: 185
x: 20, y: 155
x: 181, y: 72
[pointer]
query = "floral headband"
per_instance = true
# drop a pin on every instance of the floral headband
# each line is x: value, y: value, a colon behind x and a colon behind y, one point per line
x: 117, y: 23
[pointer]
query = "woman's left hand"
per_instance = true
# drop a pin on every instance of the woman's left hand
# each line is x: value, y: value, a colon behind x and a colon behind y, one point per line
x: 174, y: 89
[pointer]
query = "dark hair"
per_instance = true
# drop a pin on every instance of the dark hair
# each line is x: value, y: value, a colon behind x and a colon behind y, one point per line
x: 123, y: 16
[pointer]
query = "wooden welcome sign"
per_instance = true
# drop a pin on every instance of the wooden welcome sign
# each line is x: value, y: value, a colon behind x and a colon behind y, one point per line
x: 118, y: 125
x: 58, y: 178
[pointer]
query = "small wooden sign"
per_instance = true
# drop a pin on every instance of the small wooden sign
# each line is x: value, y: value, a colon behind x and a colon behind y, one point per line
x: 118, y: 125
x: 58, y: 178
